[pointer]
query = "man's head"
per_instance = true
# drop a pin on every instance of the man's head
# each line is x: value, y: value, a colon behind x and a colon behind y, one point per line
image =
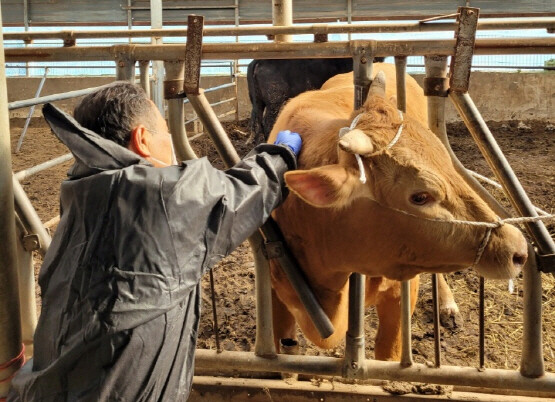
x: 123, y: 113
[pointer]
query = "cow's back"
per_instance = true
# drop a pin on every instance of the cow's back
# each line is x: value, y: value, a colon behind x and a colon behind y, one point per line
x: 319, y: 115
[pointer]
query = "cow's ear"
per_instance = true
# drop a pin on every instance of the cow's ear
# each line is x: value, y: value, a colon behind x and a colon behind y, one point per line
x: 330, y: 186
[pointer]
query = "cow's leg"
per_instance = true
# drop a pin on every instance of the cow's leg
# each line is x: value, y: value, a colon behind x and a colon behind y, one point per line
x: 388, y: 306
x: 284, y: 323
x: 270, y: 117
x: 256, y: 127
x: 449, y: 315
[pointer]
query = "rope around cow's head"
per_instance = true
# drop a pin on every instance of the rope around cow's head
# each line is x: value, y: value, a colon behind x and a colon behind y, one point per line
x: 490, y: 226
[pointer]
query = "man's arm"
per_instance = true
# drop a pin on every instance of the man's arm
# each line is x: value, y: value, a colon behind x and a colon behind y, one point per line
x: 210, y: 212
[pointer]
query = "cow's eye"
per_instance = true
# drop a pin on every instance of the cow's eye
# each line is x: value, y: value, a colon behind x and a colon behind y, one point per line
x: 421, y: 198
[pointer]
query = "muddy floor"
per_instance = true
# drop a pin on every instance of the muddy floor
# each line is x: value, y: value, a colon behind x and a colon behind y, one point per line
x: 530, y: 149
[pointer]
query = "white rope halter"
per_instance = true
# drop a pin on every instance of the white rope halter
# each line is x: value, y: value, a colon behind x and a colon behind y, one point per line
x: 345, y: 130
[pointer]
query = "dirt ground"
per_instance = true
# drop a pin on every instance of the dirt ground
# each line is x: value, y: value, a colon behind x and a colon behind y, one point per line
x: 530, y: 149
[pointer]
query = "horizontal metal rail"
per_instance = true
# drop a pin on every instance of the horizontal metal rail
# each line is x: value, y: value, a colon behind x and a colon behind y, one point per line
x: 23, y: 174
x: 296, y: 50
x: 374, y: 369
x: 51, y: 98
x: 394, y: 27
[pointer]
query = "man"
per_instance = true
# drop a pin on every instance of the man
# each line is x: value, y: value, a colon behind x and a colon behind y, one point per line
x: 120, y: 283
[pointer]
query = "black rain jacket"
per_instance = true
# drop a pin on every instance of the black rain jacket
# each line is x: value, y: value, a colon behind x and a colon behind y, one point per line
x: 120, y: 282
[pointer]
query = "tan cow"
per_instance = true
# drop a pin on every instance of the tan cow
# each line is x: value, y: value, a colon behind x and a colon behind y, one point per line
x: 385, y: 228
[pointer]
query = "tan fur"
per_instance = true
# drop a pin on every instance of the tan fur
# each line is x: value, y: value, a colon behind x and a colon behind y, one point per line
x: 359, y: 232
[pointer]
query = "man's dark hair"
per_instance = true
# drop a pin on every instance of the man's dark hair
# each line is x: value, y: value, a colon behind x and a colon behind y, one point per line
x: 114, y: 111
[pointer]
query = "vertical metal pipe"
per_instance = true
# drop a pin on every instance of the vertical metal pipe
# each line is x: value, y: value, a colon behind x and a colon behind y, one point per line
x: 354, y: 342
x: 10, y: 326
x: 406, y: 351
x: 27, y: 297
x: 125, y: 70
x: 500, y: 166
x: 482, y: 329
x: 264, y: 344
x: 400, y: 71
x: 406, y: 355
x: 437, y: 334
x: 531, y: 364
x: 436, y: 67
x: 156, y: 22
x: 282, y: 15
x: 176, y: 122
x: 144, y: 70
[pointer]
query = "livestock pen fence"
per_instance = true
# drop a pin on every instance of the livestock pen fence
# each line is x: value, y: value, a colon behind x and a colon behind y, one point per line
x: 532, y: 378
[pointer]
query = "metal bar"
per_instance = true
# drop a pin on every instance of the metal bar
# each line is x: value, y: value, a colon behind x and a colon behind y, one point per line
x: 531, y: 363
x: 213, y: 89
x: 462, y: 59
x: 23, y: 174
x: 487, y: 24
x: 210, y: 121
x: 199, y: 7
x: 193, y: 54
x: 354, y: 341
x: 31, y: 111
x: 211, y: 51
x: 482, y: 329
x: 52, y: 98
x: 437, y: 334
x: 264, y: 345
x: 156, y: 22
x: 27, y: 297
x: 406, y: 356
x: 29, y: 217
x: 500, y: 166
x: 219, y: 389
x: 144, y: 70
x: 282, y: 15
x: 375, y: 369
x: 401, y: 71
x: 439, y: 17
x: 10, y: 326
x: 125, y: 69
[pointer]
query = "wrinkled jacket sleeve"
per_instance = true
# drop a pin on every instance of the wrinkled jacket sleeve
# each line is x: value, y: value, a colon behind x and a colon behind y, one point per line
x: 217, y: 210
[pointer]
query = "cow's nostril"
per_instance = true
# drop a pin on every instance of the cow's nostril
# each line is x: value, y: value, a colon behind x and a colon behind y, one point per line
x: 519, y: 259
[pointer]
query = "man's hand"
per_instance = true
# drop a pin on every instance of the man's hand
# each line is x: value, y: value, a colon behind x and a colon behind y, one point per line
x: 292, y: 140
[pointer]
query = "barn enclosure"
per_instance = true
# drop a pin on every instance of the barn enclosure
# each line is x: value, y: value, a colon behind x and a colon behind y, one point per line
x: 171, y: 73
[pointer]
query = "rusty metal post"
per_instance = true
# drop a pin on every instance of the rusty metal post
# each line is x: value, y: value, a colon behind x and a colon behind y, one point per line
x: 144, y: 74
x: 406, y: 355
x: 10, y: 326
x: 282, y: 15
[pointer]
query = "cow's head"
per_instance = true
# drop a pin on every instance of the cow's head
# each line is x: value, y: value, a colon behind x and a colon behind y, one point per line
x: 417, y: 192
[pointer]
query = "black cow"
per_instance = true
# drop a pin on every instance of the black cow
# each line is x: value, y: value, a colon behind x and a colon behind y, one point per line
x: 272, y: 82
